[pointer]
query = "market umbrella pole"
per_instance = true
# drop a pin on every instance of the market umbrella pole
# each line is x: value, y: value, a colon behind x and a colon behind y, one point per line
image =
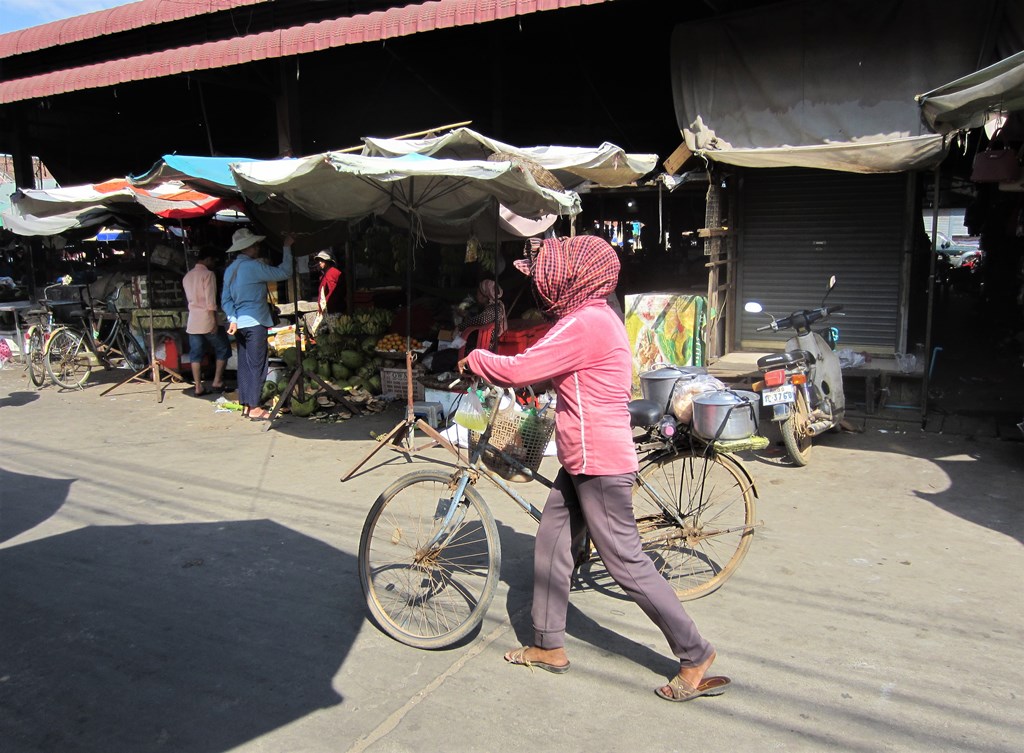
x: 402, y: 437
x: 296, y: 385
x: 158, y: 373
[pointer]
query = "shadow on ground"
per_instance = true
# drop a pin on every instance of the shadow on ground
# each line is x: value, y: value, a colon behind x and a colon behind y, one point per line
x: 26, y: 501
x: 194, y: 638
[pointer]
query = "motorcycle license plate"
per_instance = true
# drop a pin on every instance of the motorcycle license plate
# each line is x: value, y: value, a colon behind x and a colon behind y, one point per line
x: 778, y: 395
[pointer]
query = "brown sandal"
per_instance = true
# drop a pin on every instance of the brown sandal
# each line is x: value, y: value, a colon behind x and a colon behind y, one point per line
x: 680, y: 690
x: 518, y: 657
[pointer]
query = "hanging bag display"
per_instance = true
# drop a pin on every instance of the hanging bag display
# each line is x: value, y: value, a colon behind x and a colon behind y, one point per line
x: 996, y: 163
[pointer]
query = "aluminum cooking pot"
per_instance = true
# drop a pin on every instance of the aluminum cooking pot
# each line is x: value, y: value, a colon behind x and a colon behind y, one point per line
x: 726, y: 414
x: 657, y: 385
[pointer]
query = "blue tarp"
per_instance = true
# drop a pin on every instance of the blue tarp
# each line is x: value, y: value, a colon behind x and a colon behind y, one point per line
x: 211, y: 175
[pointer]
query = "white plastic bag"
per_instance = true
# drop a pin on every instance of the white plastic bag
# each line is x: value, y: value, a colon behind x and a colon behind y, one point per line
x: 850, y: 359
x: 681, y: 402
x: 470, y: 414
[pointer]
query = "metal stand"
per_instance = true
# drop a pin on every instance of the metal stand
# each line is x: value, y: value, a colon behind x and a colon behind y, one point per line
x: 401, y: 438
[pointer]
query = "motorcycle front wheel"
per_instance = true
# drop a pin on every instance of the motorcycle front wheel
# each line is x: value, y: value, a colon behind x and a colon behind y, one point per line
x: 794, y: 432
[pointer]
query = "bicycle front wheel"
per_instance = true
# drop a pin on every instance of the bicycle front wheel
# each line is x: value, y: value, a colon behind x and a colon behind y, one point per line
x: 67, y: 358
x: 428, y: 585
x: 695, y: 515
x: 133, y: 353
x: 35, y: 358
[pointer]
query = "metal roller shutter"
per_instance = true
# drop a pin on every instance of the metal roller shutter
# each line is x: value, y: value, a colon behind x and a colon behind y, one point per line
x: 799, y: 227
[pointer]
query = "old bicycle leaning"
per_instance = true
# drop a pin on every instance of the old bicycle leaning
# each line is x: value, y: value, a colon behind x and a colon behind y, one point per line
x: 430, y: 555
x: 92, y: 334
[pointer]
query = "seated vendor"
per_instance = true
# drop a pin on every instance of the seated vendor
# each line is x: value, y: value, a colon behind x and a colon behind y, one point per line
x: 488, y: 309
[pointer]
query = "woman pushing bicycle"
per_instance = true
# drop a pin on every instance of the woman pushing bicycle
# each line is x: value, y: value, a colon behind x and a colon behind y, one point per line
x: 586, y: 355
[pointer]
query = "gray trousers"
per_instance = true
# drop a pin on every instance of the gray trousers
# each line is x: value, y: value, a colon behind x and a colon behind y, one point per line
x: 604, y: 506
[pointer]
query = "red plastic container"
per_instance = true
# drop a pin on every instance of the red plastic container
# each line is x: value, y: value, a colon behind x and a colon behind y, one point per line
x: 515, y: 341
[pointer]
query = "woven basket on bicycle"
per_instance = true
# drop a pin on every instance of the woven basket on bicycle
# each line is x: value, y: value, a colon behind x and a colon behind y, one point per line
x: 523, y: 435
x: 66, y: 302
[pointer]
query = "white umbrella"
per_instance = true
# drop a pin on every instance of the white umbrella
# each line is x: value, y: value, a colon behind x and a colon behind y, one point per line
x: 607, y: 165
x: 422, y: 190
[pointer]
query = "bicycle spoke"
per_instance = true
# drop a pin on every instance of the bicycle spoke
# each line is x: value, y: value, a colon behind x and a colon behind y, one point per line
x: 695, y: 517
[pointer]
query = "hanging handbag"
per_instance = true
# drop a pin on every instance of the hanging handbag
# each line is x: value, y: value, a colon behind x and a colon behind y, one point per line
x: 996, y: 163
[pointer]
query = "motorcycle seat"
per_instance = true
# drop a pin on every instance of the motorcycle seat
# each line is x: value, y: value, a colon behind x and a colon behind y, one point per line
x: 784, y: 360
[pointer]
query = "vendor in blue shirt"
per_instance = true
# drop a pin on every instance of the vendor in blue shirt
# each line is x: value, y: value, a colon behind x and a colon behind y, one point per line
x: 244, y: 300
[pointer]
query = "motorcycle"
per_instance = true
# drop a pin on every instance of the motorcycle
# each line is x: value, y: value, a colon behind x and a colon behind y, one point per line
x: 803, y: 386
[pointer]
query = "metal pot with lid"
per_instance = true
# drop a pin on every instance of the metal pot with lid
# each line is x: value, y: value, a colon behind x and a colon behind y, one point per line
x: 726, y: 414
x: 657, y: 385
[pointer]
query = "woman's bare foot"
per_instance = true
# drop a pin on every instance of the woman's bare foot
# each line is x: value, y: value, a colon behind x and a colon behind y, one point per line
x: 693, y: 675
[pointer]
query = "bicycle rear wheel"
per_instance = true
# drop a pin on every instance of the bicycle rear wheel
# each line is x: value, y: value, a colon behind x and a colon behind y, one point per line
x: 35, y: 357
x: 695, y: 515
x: 68, y: 358
x: 426, y: 586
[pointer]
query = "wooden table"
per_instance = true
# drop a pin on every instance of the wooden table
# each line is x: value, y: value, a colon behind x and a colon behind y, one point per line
x: 16, y: 307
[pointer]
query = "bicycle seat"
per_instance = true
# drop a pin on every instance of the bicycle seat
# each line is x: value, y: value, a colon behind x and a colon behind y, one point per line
x: 644, y: 412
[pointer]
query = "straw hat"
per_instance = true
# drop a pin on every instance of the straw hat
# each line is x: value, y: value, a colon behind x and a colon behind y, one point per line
x: 244, y: 238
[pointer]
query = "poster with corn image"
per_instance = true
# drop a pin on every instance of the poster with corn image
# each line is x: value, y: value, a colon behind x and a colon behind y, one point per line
x: 664, y: 328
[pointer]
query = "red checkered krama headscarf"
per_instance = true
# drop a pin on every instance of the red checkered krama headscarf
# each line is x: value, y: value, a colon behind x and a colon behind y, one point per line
x: 568, y: 272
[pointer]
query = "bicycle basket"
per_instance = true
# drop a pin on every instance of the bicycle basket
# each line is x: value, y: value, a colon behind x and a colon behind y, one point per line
x: 523, y: 436
x: 66, y: 302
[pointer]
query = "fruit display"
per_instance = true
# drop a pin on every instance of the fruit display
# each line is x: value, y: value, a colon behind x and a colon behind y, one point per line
x: 394, y: 342
x: 347, y: 353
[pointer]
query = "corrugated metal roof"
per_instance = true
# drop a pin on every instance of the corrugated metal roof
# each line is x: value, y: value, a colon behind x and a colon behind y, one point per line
x: 297, y: 40
x: 110, y: 21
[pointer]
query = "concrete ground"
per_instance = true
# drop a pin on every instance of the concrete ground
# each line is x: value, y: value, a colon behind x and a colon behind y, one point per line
x: 176, y: 579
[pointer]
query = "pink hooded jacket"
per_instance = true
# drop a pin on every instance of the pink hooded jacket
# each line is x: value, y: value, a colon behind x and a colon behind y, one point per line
x: 587, y: 357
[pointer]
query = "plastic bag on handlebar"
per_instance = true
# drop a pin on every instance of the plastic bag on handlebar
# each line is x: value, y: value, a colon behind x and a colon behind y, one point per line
x: 470, y: 414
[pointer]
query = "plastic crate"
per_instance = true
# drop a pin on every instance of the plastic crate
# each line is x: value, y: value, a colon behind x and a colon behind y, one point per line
x: 393, y: 382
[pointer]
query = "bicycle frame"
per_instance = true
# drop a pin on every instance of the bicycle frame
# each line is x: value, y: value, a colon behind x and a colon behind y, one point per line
x: 649, y: 449
x: 476, y: 467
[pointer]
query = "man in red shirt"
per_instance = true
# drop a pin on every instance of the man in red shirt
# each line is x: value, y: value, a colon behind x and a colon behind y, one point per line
x: 330, y: 297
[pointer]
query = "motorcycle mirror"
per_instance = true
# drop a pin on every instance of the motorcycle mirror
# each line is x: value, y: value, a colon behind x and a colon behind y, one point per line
x: 753, y: 307
x: 831, y: 282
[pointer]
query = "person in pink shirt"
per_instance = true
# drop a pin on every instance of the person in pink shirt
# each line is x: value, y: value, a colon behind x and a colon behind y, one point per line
x: 200, y: 284
x: 586, y: 355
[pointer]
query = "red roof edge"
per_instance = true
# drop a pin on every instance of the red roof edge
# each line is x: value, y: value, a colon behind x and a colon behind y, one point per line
x: 110, y: 21
x: 297, y: 40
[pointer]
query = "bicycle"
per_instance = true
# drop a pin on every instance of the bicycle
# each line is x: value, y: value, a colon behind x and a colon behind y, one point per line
x: 36, y: 338
x: 429, y: 552
x: 76, y: 347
